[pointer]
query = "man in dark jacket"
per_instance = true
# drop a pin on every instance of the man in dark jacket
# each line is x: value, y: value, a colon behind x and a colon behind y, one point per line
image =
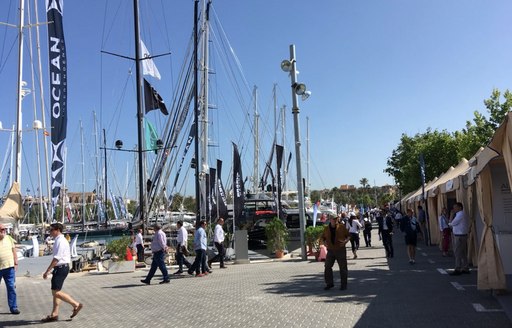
x: 386, y: 229
x: 335, y: 236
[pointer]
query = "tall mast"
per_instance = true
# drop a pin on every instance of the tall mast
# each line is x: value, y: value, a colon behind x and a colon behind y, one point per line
x: 204, y: 108
x: 83, y: 173
x: 20, y: 94
x: 140, y: 113
x: 43, y: 116
x: 255, y: 178
x: 196, y: 115
x: 97, y: 158
x: 37, y: 125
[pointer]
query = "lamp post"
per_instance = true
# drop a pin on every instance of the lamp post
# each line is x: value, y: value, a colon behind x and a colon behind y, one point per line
x: 298, y: 89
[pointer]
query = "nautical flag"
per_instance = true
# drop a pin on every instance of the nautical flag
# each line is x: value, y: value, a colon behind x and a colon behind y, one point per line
x: 58, y: 92
x: 148, y: 66
x: 152, y: 100
x: 238, y: 185
x: 150, y: 135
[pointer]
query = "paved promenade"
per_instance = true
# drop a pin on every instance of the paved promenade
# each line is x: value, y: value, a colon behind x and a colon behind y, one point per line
x: 287, y: 293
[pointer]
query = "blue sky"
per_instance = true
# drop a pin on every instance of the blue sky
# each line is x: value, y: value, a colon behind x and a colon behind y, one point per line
x: 376, y: 69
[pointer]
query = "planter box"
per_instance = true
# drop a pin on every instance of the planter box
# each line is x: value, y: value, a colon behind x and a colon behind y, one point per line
x: 121, y: 266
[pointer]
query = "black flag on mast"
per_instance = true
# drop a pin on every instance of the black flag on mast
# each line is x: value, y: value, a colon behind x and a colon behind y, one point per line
x: 58, y: 92
x: 152, y: 100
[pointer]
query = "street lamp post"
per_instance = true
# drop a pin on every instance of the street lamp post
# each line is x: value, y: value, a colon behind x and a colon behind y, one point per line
x: 298, y: 89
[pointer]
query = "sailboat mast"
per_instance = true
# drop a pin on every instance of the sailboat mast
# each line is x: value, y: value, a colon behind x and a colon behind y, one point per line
x: 196, y: 114
x: 19, y: 123
x: 97, y: 158
x: 204, y: 108
x: 43, y: 116
x: 140, y: 114
x: 255, y: 178
x: 83, y: 173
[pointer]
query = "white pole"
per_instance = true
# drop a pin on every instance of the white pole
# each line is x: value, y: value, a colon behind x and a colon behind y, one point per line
x: 256, y: 142
x: 19, y: 123
x: 41, y: 100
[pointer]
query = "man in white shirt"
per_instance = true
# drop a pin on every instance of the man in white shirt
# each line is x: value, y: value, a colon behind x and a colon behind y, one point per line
x: 181, y: 248
x: 218, y: 239
x: 59, y: 267
x: 139, y: 245
x: 460, y: 228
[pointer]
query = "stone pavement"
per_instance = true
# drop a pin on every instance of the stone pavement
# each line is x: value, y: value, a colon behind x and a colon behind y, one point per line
x: 285, y: 293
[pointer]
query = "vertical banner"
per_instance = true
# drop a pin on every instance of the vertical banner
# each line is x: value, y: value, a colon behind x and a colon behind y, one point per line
x: 58, y: 93
x: 212, y: 190
x: 422, y: 174
x: 238, y: 185
x: 279, y: 161
x: 222, y: 202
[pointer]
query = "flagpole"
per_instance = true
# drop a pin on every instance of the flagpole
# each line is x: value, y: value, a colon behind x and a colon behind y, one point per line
x: 196, y: 116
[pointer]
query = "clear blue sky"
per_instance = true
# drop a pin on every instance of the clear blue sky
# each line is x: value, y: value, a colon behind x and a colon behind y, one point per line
x: 376, y: 69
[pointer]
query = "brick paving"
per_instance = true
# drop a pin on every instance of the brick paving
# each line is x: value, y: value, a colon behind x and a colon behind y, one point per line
x: 286, y: 293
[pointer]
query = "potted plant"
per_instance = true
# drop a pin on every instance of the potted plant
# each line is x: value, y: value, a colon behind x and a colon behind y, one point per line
x: 277, y: 236
x: 312, y: 236
x: 118, y: 250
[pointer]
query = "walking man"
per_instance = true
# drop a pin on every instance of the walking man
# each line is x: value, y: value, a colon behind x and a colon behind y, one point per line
x: 139, y: 245
x: 386, y: 227
x: 218, y: 239
x: 159, y: 249
x: 460, y: 227
x: 181, y: 248
x: 59, y: 267
x: 200, y: 249
x: 335, y: 236
x: 8, y: 267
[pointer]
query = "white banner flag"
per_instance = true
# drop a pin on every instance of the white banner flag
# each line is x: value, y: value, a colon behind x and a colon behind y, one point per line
x: 148, y: 66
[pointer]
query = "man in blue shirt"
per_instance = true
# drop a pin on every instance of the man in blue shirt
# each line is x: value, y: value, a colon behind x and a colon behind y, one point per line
x: 200, y: 249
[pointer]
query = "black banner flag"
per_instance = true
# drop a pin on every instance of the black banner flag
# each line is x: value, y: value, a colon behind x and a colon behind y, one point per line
x: 238, y: 185
x: 279, y: 161
x: 222, y: 202
x: 58, y: 93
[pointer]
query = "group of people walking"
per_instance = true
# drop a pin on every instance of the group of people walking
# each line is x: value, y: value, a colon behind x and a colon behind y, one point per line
x: 341, y: 230
x: 201, y: 266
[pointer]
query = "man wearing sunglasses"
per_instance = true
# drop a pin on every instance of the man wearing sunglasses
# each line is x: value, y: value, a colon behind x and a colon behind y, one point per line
x: 8, y: 266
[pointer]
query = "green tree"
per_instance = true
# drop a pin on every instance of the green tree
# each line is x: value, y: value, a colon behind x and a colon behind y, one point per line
x: 439, y: 150
x: 364, y: 183
x: 478, y: 133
